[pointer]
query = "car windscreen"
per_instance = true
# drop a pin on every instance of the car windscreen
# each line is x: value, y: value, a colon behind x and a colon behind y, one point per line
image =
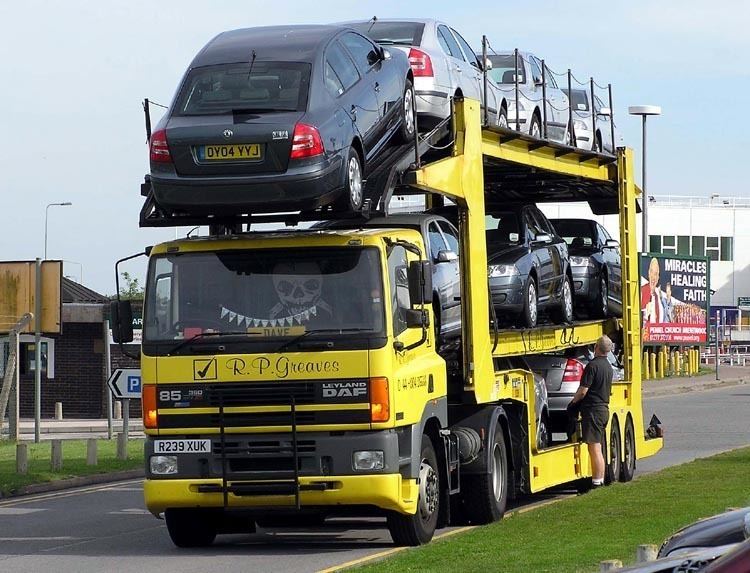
x: 504, y: 69
x: 575, y: 233
x: 264, y: 293
x: 502, y: 228
x: 579, y: 99
x: 387, y: 33
x: 260, y: 87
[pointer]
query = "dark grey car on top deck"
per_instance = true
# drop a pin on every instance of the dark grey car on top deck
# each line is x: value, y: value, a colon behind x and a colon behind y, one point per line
x: 280, y: 118
x: 528, y: 266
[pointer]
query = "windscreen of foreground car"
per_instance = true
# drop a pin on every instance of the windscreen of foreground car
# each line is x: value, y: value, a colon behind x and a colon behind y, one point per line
x: 579, y: 99
x: 267, y: 87
x: 502, y: 228
x: 504, y: 69
x: 575, y: 233
x: 269, y: 293
x: 388, y: 33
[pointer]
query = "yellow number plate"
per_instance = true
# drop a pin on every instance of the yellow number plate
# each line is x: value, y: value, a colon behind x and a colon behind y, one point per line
x: 246, y: 151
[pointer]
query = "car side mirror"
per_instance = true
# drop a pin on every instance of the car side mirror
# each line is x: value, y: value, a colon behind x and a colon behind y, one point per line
x: 605, y: 111
x: 611, y: 244
x: 420, y: 282
x: 446, y: 256
x: 121, y: 315
x: 416, y: 318
x: 385, y: 54
x: 375, y: 56
x: 487, y: 64
x: 538, y: 81
x: 541, y: 238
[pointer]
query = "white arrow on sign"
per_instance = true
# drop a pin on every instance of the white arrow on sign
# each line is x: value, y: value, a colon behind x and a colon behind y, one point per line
x: 125, y: 383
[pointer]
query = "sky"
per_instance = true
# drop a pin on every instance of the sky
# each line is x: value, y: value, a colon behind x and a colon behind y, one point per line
x: 74, y: 75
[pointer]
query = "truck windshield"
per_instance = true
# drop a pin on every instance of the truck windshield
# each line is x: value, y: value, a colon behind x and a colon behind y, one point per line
x: 269, y: 293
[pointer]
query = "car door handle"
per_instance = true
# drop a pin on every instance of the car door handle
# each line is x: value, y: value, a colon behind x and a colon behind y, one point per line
x: 377, y: 87
x: 354, y: 110
x: 458, y: 68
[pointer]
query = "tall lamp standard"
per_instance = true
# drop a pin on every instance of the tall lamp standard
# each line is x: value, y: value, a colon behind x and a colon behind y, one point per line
x: 644, y: 111
x: 46, y: 217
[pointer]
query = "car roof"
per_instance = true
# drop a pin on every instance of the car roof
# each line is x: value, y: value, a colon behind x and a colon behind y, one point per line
x: 415, y: 20
x: 280, y: 43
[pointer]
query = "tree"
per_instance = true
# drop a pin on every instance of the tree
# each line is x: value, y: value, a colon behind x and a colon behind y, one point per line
x: 131, y: 290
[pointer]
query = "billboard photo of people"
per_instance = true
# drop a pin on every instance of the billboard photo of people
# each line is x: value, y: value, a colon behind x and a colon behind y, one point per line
x: 674, y: 299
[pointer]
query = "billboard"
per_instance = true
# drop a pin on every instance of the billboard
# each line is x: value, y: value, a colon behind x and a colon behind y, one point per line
x: 17, y: 292
x: 674, y: 299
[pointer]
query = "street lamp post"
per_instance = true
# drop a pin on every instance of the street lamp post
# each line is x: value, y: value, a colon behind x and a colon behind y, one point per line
x: 46, y: 217
x: 644, y: 111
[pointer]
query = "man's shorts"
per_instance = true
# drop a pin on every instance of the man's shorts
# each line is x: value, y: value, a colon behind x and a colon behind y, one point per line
x: 593, y: 424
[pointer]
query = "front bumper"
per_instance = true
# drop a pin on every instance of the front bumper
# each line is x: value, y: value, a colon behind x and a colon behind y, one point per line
x: 584, y: 284
x: 306, y: 186
x: 507, y: 293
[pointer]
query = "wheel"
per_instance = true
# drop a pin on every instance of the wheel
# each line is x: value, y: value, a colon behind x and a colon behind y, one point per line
x: 485, y: 496
x: 530, y: 312
x: 408, y: 119
x: 597, y: 143
x: 612, y: 472
x: 353, y: 195
x: 542, y: 433
x: 502, y: 119
x: 627, y: 468
x: 565, y: 313
x: 600, y: 307
x: 535, y: 129
x: 191, y: 527
x: 419, y: 528
x: 570, y: 137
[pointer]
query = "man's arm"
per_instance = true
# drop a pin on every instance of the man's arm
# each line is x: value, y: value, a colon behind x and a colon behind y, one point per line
x: 580, y: 393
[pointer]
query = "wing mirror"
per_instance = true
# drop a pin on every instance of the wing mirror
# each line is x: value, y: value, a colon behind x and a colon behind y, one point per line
x: 487, y: 64
x: 374, y: 56
x: 611, y: 244
x: 416, y: 318
x: 420, y: 282
x: 446, y: 256
x: 605, y: 111
x: 121, y: 315
x: 543, y: 238
x: 537, y: 81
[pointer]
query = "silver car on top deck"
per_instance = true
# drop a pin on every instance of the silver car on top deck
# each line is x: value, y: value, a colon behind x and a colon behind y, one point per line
x: 443, y: 63
x: 583, y: 123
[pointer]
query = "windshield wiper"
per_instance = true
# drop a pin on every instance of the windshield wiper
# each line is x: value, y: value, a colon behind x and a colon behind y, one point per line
x: 291, y: 341
x: 187, y: 341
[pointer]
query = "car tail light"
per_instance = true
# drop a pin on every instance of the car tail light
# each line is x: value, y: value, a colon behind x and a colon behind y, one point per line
x: 420, y: 62
x: 380, y: 409
x: 159, y: 147
x: 148, y: 403
x: 573, y: 371
x: 306, y: 142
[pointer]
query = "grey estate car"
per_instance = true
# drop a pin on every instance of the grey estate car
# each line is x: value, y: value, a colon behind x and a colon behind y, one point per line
x: 528, y: 266
x: 529, y: 116
x: 443, y: 63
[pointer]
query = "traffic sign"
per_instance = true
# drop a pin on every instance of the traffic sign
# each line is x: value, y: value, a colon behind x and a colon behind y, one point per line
x: 125, y: 383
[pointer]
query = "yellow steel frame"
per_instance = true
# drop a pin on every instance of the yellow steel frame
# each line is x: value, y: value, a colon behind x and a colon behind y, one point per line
x: 550, y: 338
x: 461, y: 177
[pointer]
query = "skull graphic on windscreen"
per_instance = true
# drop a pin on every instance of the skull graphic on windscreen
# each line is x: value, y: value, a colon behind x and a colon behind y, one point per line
x: 298, y: 287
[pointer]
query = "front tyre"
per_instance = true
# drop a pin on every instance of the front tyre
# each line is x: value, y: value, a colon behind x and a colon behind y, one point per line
x: 530, y: 312
x: 565, y: 313
x: 191, y: 527
x: 408, y: 114
x: 485, y: 495
x: 419, y: 528
x: 627, y: 469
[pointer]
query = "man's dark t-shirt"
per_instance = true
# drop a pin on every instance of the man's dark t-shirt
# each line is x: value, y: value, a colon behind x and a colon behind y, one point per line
x: 597, y: 377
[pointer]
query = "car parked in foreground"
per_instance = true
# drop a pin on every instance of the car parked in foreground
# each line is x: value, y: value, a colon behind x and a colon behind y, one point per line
x: 562, y: 373
x: 595, y: 262
x: 528, y: 266
x: 583, y: 122
x: 280, y: 118
x: 529, y: 117
x: 443, y: 62
x: 725, y: 528
x: 701, y: 560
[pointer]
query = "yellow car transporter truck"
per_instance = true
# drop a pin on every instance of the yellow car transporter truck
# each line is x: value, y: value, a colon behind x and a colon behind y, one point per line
x: 295, y: 374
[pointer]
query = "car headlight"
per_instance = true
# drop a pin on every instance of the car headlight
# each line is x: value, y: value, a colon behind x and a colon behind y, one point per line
x: 369, y: 460
x: 502, y: 271
x: 579, y: 126
x: 580, y: 261
x: 163, y: 465
x: 512, y: 105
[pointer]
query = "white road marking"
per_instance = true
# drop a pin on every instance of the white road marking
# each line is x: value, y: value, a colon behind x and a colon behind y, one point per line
x: 131, y: 511
x: 52, y: 538
x: 18, y: 510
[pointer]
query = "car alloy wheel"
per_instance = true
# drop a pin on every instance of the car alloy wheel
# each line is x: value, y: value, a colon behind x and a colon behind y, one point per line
x: 567, y: 301
x: 604, y: 295
x: 532, y: 303
x: 536, y: 129
x: 409, y: 111
x: 355, y: 182
x: 502, y: 119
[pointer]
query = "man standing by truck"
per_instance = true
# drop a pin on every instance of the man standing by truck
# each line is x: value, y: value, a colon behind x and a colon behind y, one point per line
x: 592, y: 398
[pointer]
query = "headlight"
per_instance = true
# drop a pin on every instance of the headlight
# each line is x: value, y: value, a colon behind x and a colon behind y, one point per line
x: 512, y: 105
x: 580, y: 261
x: 163, y: 465
x: 579, y: 126
x: 369, y: 460
x: 501, y: 271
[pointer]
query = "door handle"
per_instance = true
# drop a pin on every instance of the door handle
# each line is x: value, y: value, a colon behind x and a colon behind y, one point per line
x: 377, y: 87
x: 354, y: 110
x: 458, y: 69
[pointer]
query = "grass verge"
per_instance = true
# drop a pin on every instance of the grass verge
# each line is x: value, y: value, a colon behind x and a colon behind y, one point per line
x: 74, y: 462
x: 577, y: 533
